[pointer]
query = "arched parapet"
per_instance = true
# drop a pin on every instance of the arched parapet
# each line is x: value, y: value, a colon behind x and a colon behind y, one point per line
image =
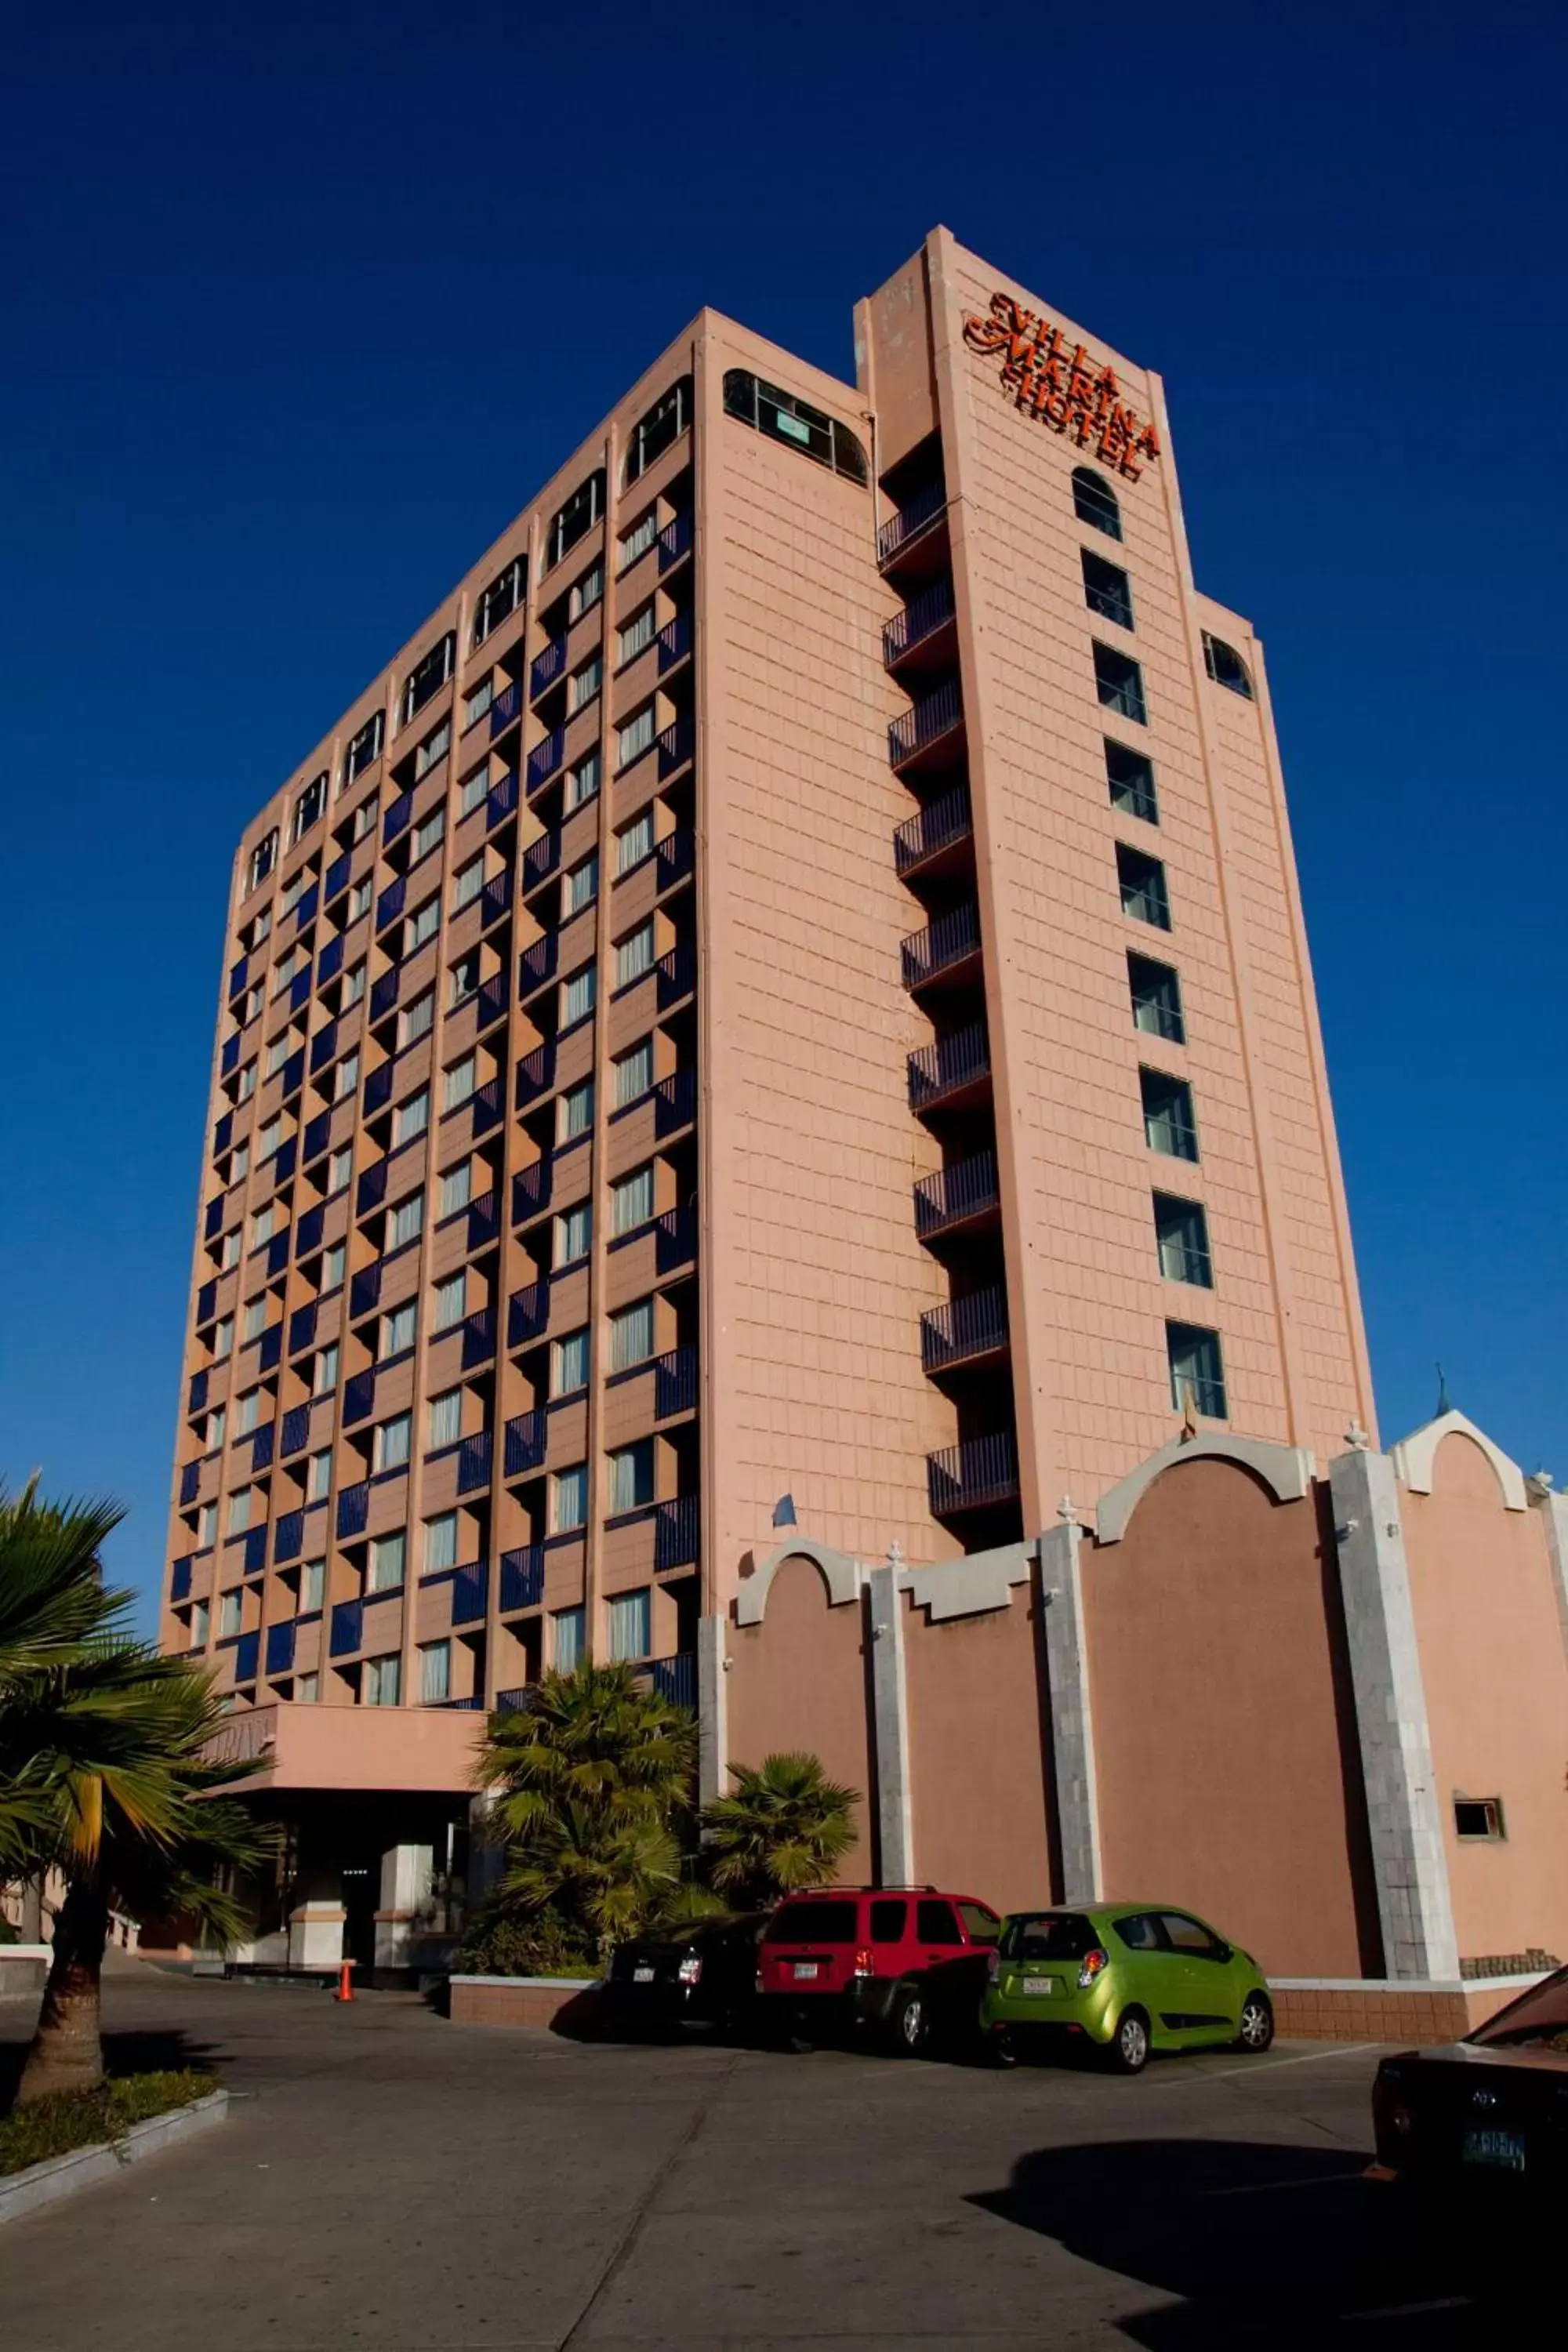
x: 1415, y: 1457
x: 1285, y: 1470
x: 844, y: 1577
x: 969, y: 1587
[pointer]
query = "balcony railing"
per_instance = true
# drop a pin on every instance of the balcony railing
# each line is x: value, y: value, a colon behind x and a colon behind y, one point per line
x: 347, y: 1629
x: 474, y: 1462
x: 674, y: 857
x: 318, y: 1134
x: 932, y: 829
x: 484, y: 1220
x: 677, y: 975
x: 674, y: 641
x: 288, y: 1537
x: 283, y: 1161
x: 270, y: 1355
x: 501, y: 800
x: 372, y: 1189
x: 948, y: 940
x: 196, y: 1396
x: 190, y: 1480
x: 675, y: 1678
x: 548, y: 665
x: 675, y: 1239
x: 908, y: 521
x: 489, y: 1106
x: 308, y: 1232
x: 925, y: 722
x: 675, y: 747
x: 281, y: 1648
x: 980, y: 1470
x: 353, y: 1510
x: 302, y: 1327
x: 180, y: 1580
x: 536, y: 964
x: 674, y: 1382
x: 296, y: 1429
x: 330, y: 962
x: 478, y: 1338
x: 389, y: 905
x: 294, y: 1069
x: 677, y: 1532
x: 674, y: 1102
x: 236, y: 976
x: 525, y: 1442
x: 527, y: 1314
x: 506, y: 707
x: 536, y: 1073
x: 522, y: 1578
x: 206, y: 1302
x: 931, y: 610
x: 384, y: 992
x: 255, y: 1551
x: 247, y: 1657
x: 365, y: 1290
x: 211, y: 1224
x: 337, y: 877
x: 262, y: 1446
x: 545, y: 758
x: 471, y: 1593
x: 495, y: 899
x: 323, y: 1045
x: 516, y: 1701
x: 967, y: 1188
x: 222, y: 1132
x: 531, y: 1190
x: 949, y: 1066
x: 229, y: 1060
x: 358, y: 1397
x: 539, y: 860
x: 974, y: 1326
x: 397, y: 818
x: 674, y: 541
x: 305, y: 907
x: 491, y: 1000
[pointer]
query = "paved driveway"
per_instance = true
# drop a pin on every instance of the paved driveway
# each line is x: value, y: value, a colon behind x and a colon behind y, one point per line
x: 391, y: 2182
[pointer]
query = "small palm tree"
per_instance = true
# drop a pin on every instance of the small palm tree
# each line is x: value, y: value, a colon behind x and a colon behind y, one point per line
x: 53, y: 1607
x: 786, y: 1827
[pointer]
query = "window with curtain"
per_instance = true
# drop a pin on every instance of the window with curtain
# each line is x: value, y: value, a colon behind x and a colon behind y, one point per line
x: 630, y: 1624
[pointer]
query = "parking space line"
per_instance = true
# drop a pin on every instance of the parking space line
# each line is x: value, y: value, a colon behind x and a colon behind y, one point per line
x: 1273, y: 2065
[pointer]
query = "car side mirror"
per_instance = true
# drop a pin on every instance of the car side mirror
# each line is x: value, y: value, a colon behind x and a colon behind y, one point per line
x: 1224, y: 1952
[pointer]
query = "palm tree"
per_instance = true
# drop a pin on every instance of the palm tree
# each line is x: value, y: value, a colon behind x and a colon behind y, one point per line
x: 786, y: 1827
x: 53, y: 1607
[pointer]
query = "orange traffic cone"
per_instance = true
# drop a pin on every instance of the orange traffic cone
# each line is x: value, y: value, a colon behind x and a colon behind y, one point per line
x: 345, y: 1990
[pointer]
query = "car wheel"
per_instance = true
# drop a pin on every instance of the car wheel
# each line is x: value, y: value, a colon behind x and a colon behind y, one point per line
x: 1128, y: 2047
x: 909, y: 2026
x: 1256, y: 2028
x: 1002, y: 2048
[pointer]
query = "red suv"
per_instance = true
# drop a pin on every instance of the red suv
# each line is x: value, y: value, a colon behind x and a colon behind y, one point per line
x: 908, y: 1961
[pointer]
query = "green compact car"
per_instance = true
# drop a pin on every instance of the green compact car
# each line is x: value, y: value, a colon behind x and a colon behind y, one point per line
x: 1124, y: 1978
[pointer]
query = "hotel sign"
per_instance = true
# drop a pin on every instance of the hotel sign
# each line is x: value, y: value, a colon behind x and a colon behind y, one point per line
x: 1062, y: 388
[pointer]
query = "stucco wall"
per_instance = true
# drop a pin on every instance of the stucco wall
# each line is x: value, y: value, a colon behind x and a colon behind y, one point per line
x: 976, y: 1771
x: 798, y: 1681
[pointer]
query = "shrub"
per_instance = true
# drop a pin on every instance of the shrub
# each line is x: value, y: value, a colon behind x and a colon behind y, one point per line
x: 66, y: 2120
x: 528, y: 1944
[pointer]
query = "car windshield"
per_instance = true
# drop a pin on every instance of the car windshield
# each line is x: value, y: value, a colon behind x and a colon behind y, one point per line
x: 813, y: 1923
x: 1539, y: 2016
x: 1047, y: 1935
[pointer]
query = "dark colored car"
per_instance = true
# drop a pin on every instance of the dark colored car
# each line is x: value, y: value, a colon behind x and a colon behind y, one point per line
x: 701, y: 1975
x: 1491, y: 2109
x: 908, y: 1962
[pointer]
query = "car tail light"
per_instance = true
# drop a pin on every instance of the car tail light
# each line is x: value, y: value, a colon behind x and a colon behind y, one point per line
x: 1093, y: 1964
x: 993, y: 1964
x: 863, y: 1961
x: 690, y: 1969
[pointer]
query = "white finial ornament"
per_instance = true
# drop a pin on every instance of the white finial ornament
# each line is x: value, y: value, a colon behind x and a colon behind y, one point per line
x: 1357, y: 1439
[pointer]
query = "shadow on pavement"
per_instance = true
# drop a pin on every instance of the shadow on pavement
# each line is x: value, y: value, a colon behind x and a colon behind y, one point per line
x: 1267, y: 2245
x: 145, y: 2052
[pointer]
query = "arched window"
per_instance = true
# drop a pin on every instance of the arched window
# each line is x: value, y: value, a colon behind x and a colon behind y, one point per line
x: 782, y: 417
x: 1226, y: 667
x: 1094, y: 501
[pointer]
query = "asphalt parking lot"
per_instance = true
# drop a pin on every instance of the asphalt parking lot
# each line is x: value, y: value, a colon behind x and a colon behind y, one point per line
x: 389, y: 2180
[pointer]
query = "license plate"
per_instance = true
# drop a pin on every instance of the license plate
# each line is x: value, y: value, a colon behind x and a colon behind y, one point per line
x: 1040, y: 1985
x: 804, y: 1968
x: 1503, y: 2151
x: 642, y: 1976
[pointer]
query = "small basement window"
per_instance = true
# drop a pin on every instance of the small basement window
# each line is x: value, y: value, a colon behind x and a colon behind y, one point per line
x: 1479, y: 1817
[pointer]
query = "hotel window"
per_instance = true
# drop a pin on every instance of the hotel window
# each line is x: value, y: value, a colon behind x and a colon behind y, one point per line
x: 467, y: 884
x: 1479, y: 1817
x: 1119, y: 682
x: 318, y: 1475
x: 630, y: 1622
x: 261, y: 1224
x: 635, y: 842
x: 566, y: 1626
x: 581, y: 886
x: 473, y: 788
x: 312, y: 1585
x: 283, y: 971
x: 1129, y: 778
x: 366, y: 816
x: 383, y: 1681
x: 428, y: 677
x: 458, y: 1084
x: 1182, y: 1237
x: 582, y: 781
x: 246, y: 1086
x: 440, y: 1543
x: 293, y: 891
x: 255, y: 1319
x: 577, y: 995
x: 354, y: 985
x: 229, y: 1615
x: 428, y: 833
x: 576, y: 519
x: 465, y: 977
x: 574, y: 1116
x: 574, y: 1234
x: 334, y: 1265
x: 585, y: 592
x: 360, y: 898
x: 633, y: 954
x: 276, y: 1055
x: 240, y: 1512
x: 1169, y: 1125
x: 663, y: 426
x: 393, y: 1439
x: 456, y: 1189
x: 500, y: 599
x: 476, y: 704
x: 631, y: 1336
x: 246, y: 1412
x: 426, y: 921
x: 228, y: 1257
x: 269, y: 1139
x: 639, y: 633
x: 255, y: 997
x: 339, y: 1168
x: 435, y: 1673
x: 1197, y: 1372
x: 406, y: 1221
x: 260, y: 930
x: 1144, y: 894
x: 451, y: 1301
x: 1226, y: 667
x: 1106, y: 589
x: 324, y: 1371
x: 307, y: 1688
x: 216, y: 1425
x: 569, y: 1499
x: 634, y: 1073
x: 345, y: 1077
x: 635, y: 737
x: 631, y: 1477
x: 364, y: 747
x: 263, y: 858
x: 222, y: 1338
x: 206, y: 1526
x: 445, y: 1419
x: 637, y: 537
x: 413, y: 1023
x: 308, y: 808
x: 388, y: 1563
x: 1094, y: 501
x: 411, y: 1118
x: 397, y: 1331
x: 784, y: 418
x: 631, y: 1201
x: 201, y: 1623
x: 239, y: 1166
x: 569, y: 1364
x: 583, y: 685
x: 1156, y: 995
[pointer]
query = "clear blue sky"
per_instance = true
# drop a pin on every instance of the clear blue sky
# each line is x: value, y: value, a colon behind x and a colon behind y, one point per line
x: 301, y: 304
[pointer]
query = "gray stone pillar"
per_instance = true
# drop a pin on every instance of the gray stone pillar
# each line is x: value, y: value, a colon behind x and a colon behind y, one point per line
x: 406, y: 1875
x: 890, y: 1727
x: 1074, y: 1795
x: 712, y: 1711
x: 1404, y: 1815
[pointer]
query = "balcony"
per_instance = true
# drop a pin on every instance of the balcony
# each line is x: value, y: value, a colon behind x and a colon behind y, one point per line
x: 237, y: 972
x: 330, y: 962
x: 956, y: 1196
x: 305, y: 907
x: 928, y: 616
x: 530, y: 1189
x: 397, y: 818
x: 539, y: 860
x: 277, y: 1254
x: 489, y: 1106
x: 223, y: 1133
x: 347, y: 1629
x: 963, y: 1478
x: 910, y: 522
x: 365, y: 1290
x: 270, y: 1355
x: 206, y: 1302
x: 495, y: 899
x: 948, y: 941
x: 247, y: 1657
x: 674, y: 641
x: 353, y: 1510
x: 287, y: 1537
x: 283, y: 1161
x: 675, y: 857
x: 501, y: 800
x: 676, y: 1532
x: 318, y: 1134
x: 471, y: 1593
x: 337, y: 879
x: 507, y: 705
x: 536, y: 1073
x: 308, y: 1233
x: 956, y: 1067
x: 929, y: 721
x: 934, y: 833
x: 255, y: 1559
x: 372, y: 1189
x: 536, y: 964
x: 302, y: 1327
x: 966, y: 1330
x: 296, y: 1429
x: 515, y: 1702
x: 675, y: 1239
x: 389, y: 905
x: 478, y: 1338
x: 674, y: 541
x: 294, y: 1067
x: 677, y: 974
x: 491, y: 1000
x: 213, y: 1222
x: 190, y: 1480
x: 230, y: 1060
x: 197, y: 1395
x: 323, y: 1045
x: 527, y: 1314
x: 281, y: 1648
x: 484, y: 1220
x: 674, y: 1382
x: 358, y: 1397
x: 474, y: 1462
x: 674, y: 1102
x: 180, y: 1580
x: 384, y: 992
x: 261, y: 1450
x: 522, y: 1578
x: 548, y: 665
x: 525, y: 1442
x: 675, y: 1679
x: 675, y: 747
x: 544, y: 758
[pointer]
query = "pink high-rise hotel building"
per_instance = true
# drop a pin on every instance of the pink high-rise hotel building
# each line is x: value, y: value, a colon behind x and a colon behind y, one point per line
x: 791, y: 984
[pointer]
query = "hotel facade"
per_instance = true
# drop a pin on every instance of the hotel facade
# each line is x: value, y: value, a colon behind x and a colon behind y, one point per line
x: 784, y: 1005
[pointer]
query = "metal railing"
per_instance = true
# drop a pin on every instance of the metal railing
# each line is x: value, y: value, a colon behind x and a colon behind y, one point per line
x: 501, y: 800
x: 522, y: 1578
x: 346, y: 1631
x: 358, y: 1397
x: 230, y: 1060
x: 255, y: 1559
x: 372, y: 1188
x: 287, y: 1537
x: 525, y: 1442
x: 677, y: 975
x: 974, y: 1326
x: 980, y: 1470
x: 337, y: 876
x: 530, y: 1189
x: 247, y: 1656
x: 492, y: 998
x: 674, y: 541
x: 675, y: 1239
x: 930, y: 611
x: 270, y: 1355
x: 281, y: 1648
x: 302, y: 1327
x: 674, y: 1102
x: 506, y: 707
x: 516, y: 1701
x: 527, y: 1314
x: 674, y: 641
x: 673, y: 856
x: 318, y: 1134
x: 488, y: 1107
x: 190, y: 1479
x: 296, y: 1428
x: 933, y: 828
x: 471, y: 1593
x: 675, y: 1678
x: 395, y: 821
x: 262, y: 1446
x: 323, y: 1045
x: 674, y: 746
x: 389, y: 905
x: 925, y: 722
x: 544, y: 758
x: 951, y: 1064
x: 495, y: 898
x: 908, y: 521
x: 353, y: 1510
x: 384, y: 992
x: 548, y: 665
x: 674, y: 1382
x: 535, y: 1072
x: 474, y: 1462
x: 536, y: 964
x: 947, y: 939
x: 967, y: 1188
x: 378, y: 1087
x: 539, y: 860
x: 478, y: 1338
x: 484, y: 1218
x: 677, y: 1532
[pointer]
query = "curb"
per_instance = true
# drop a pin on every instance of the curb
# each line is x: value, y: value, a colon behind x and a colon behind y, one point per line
x: 62, y: 2175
